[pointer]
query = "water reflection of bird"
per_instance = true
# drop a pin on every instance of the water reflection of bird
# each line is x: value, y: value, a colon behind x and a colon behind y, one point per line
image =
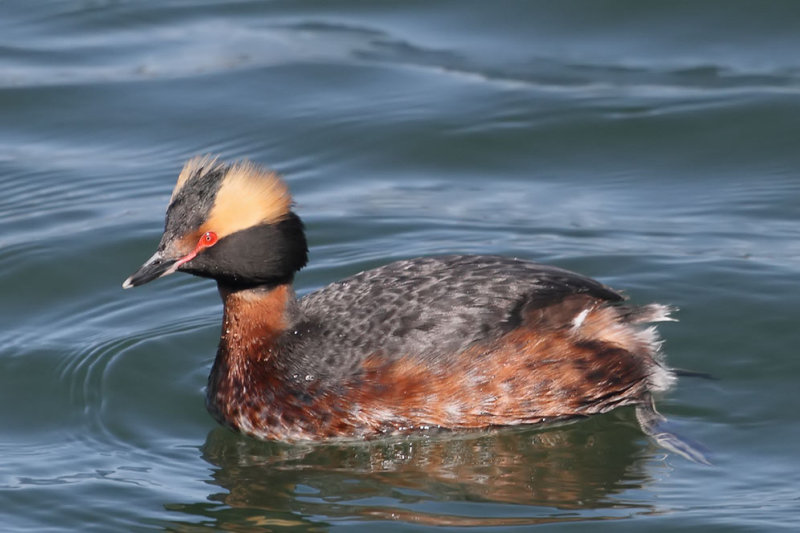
x: 578, y: 472
x: 457, y: 342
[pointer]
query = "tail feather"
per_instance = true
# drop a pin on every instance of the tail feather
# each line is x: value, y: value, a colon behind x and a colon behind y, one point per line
x: 649, y: 313
x: 658, y: 428
x: 626, y: 326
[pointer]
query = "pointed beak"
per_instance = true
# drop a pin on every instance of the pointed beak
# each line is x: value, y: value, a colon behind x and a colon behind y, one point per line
x: 155, y: 267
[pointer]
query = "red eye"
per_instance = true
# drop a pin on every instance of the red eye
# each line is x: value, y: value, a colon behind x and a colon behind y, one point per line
x: 208, y: 238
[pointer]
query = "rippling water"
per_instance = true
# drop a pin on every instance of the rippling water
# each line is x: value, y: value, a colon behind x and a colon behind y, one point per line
x: 653, y: 146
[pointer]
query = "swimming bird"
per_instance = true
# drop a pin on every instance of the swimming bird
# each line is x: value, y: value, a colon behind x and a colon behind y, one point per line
x: 452, y: 342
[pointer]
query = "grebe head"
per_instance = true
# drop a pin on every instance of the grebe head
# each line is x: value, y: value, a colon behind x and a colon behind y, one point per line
x: 230, y: 222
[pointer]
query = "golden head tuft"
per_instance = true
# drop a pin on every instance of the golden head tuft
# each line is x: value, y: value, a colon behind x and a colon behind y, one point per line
x: 248, y: 194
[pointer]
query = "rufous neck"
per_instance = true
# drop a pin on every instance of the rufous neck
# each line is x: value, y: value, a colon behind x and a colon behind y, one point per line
x: 254, y: 318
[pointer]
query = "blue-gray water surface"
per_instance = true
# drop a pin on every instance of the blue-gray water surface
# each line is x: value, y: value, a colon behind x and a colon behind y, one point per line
x: 653, y: 146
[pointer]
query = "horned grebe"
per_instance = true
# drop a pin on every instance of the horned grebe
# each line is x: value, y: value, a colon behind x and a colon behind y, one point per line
x: 451, y: 342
